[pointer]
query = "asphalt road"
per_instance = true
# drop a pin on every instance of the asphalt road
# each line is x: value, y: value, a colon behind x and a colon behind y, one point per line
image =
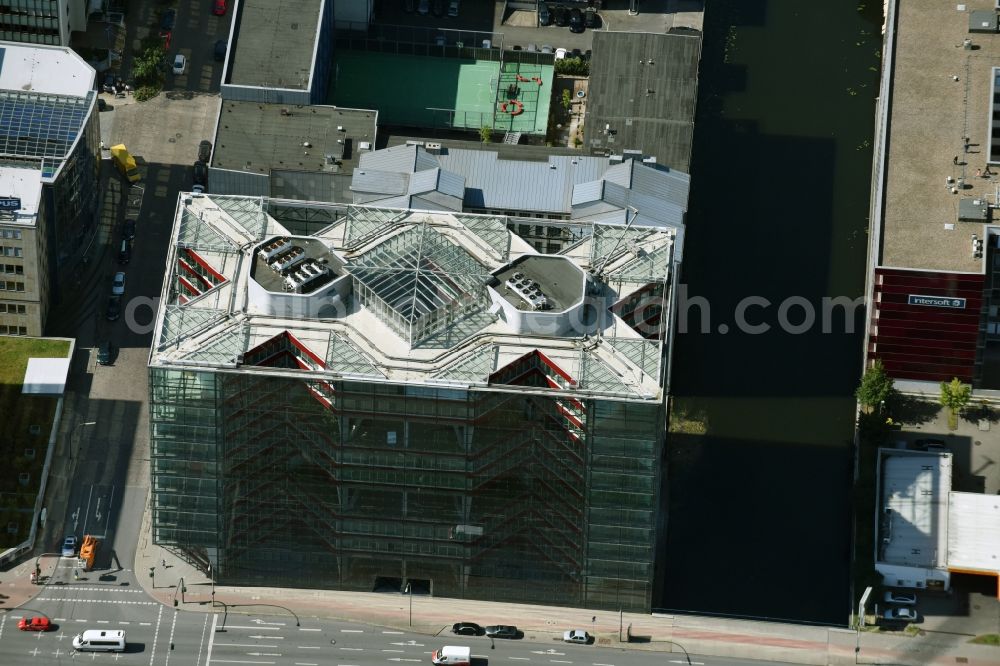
x: 161, y: 636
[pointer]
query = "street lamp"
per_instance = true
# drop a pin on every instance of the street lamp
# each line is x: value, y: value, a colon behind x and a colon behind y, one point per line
x: 686, y: 655
x: 410, y: 594
x: 73, y: 438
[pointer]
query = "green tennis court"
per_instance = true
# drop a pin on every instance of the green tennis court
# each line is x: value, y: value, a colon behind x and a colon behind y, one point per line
x: 417, y: 90
x: 429, y: 91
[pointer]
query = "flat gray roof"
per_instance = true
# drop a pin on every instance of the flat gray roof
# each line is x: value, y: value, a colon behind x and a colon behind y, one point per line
x: 940, y: 94
x: 274, y: 43
x: 649, y: 106
x: 557, y: 278
x: 261, y: 139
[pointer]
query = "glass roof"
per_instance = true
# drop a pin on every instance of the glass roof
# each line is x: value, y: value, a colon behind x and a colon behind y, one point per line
x: 197, y: 235
x: 644, y: 353
x: 647, y: 267
x: 596, y: 376
x: 39, y: 125
x: 224, y: 348
x: 343, y: 356
x: 492, y: 229
x: 420, y: 277
x: 476, y: 366
x: 181, y: 320
x: 364, y: 223
x: 246, y: 212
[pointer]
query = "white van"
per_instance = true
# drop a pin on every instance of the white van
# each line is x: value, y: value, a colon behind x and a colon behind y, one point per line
x: 452, y: 655
x: 98, y: 640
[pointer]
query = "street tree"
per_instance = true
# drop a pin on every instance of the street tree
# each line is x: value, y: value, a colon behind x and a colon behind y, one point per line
x: 955, y: 396
x: 876, y: 386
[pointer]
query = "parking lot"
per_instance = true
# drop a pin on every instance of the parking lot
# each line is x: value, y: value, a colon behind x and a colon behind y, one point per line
x: 520, y: 28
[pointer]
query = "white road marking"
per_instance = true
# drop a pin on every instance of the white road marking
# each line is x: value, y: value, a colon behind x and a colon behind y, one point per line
x: 236, y: 661
x: 520, y: 658
x: 141, y: 624
x: 352, y: 649
x: 307, y: 647
x: 243, y: 626
x: 100, y: 601
x: 560, y: 661
x: 256, y: 645
x: 156, y: 634
x: 393, y: 632
x: 62, y: 619
x: 413, y: 643
x: 264, y: 654
x: 402, y: 659
x: 270, y: 637
x: 272, y: 624
x: 596, y: 664
x: 103, y: 621
x: 305, y: 663
x: 352, y: 631
x: 2, y: 623
x: 684, y: 661
x: 393, y: 650
x: 211, y: 641
x: 124, y: 622
x: 170, y: 640
x: 304, y: 629
x: 201, y: 643
x: 87, y: 514
x: 549, y: 651
x: 85, y: 621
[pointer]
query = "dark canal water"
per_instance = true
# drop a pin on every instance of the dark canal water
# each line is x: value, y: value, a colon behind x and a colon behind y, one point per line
x: 760, y: 479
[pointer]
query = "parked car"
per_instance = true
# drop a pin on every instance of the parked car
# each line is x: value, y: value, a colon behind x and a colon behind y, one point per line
x: 107, y: 353
x: 114, y: 308
x: 200, y: 174
x: 204, y: 151
x: 128, y: 230
x: 902, y: 598
x: 577, y: 636
x: 453, y: 8
x: 502, y: 631
x: 69, y: 546
x: 560, y: 53
x: 34, y: 624
x: 118, y: 284
x: 167, y: 22
x: 546, y: 48
x: 124, y: 253
x: 437, y: 7
x: 575, y: 20
x: 900, y: 614
x: 544, y: 15
x: 590, y: 17
x: 931, y: 445
x: 219, y: 7
x: 424, y: 7
x: 531, y: 48
x: 180, y: 64
x: 220, y: 50
x: 560, y: 16
x: 467, y: 629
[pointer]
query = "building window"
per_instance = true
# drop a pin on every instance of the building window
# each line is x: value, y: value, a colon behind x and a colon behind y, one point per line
x: 9, y: 251
x: 13, y: 308
x: 12, y: 286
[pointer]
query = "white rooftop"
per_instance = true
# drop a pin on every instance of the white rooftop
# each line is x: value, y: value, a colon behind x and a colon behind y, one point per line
x: 46, y: 376
x: 410, y: 301
x: 915, y: 488
x: 974, y: 533
x: 24, y: 184
x: 55, y: 70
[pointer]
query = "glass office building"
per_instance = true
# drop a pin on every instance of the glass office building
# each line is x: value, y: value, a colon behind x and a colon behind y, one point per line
x: 314, y: 425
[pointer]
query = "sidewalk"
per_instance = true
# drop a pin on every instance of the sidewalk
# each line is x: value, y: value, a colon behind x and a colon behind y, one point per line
x: 433, y: 616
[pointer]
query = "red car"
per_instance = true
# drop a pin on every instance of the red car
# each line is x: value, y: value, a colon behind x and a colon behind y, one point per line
x: 34, y: 624
x: 219, y: 8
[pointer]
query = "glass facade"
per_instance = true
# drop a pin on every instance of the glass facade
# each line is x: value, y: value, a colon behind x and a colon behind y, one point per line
x: 283, y: 477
